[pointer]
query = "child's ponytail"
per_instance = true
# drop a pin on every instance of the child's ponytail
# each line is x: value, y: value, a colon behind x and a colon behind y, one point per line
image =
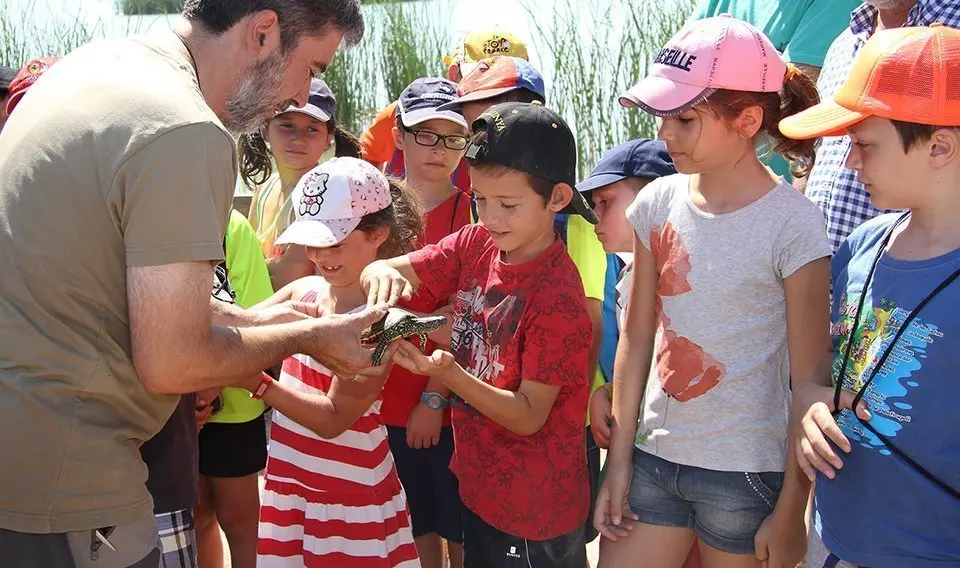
x: 346, y: 143
x: 256, y: 163
x: 799, y: 93
x: 404, y: 217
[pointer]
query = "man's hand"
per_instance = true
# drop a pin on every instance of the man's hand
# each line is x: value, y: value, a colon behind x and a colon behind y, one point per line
x: 384, y: 284
x: 438, y: 364
x: 338, y: 347
x: 817, y: 426
x: 781, y: 540
x: 287, y: 312
x: 601, y: 412
x: 423, y: 427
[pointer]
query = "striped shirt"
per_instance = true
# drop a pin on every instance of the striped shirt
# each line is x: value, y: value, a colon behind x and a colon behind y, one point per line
x: 834, y: 188
x: 335, y: 502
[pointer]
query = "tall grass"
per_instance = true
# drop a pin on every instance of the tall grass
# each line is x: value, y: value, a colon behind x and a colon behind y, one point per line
x: 403, y: 42
x: 37, y: 30
x: 594, y: 64
x: 140, y: 7
x: 591, y: 60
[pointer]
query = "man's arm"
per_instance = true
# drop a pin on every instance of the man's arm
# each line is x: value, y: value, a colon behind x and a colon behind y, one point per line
x: 177, y: 348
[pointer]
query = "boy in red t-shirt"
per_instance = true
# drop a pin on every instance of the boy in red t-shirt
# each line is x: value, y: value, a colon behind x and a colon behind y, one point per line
x: 519, y: 345
x: 415, y: 408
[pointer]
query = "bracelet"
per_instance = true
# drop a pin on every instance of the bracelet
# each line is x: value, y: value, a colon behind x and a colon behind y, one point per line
x: 266, y: 381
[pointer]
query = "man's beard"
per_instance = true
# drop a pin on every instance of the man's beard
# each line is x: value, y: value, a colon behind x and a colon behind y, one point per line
x: 891, y: 4
x: 256, y: 96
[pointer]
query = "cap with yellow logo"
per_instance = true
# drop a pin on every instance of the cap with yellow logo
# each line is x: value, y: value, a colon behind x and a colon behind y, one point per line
x: 484, y: 43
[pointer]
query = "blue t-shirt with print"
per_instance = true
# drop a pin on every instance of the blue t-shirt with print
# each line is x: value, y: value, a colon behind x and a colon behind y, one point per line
x: 880, y: 511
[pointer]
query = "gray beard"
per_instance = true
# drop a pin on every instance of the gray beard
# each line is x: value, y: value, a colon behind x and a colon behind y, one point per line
x: 256, y: 97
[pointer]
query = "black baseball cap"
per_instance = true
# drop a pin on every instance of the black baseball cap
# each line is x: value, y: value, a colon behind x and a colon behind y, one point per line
x: 6, y: 77
x: 530, y: 138
x: 641, y: 158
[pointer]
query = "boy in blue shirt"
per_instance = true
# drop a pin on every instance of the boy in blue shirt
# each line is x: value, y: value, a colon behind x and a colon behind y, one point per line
x: 893, y: 498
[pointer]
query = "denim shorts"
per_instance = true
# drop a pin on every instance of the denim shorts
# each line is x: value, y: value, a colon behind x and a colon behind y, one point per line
x: 724, y: 508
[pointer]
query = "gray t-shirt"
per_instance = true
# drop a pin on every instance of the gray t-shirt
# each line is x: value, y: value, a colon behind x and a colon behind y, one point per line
x: 719, y: 391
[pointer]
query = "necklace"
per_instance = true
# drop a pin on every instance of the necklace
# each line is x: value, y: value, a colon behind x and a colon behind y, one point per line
x: 883, y: 358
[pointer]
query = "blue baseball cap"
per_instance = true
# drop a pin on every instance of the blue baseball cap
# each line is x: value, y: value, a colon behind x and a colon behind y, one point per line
x: 321, y: 102
x: 422, y: 99
x: 643, y: 158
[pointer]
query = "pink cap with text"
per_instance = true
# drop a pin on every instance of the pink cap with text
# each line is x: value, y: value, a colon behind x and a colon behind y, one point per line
x: 707, y: 55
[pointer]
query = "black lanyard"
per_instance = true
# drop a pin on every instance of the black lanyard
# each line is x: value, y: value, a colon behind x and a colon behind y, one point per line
x: 883, y: 358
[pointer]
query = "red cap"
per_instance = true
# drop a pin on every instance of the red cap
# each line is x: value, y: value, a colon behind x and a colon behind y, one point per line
x: 26, y: 77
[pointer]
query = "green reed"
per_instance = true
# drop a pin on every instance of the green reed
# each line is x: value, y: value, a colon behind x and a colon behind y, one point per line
x: 592, y: 70
x: 141, y: 7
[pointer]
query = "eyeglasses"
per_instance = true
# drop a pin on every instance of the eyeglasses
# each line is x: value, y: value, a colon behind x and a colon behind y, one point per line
x: 431, y: 139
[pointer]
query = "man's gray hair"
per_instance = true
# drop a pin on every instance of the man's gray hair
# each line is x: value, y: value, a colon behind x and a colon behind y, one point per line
x: 297, y: 18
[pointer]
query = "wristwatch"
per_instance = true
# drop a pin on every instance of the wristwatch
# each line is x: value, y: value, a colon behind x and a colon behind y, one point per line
x: 434, y: 400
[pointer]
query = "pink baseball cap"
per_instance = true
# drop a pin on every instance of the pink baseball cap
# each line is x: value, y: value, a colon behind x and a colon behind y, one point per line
x: 330, y: 200
x: 703, y: 57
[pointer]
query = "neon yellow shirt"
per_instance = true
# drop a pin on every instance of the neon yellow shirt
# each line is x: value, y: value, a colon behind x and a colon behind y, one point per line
x: 247, y: 271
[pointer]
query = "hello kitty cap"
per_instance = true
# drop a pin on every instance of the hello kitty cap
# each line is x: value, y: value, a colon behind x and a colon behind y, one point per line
x: 703, y: 57
x: 330, y: 200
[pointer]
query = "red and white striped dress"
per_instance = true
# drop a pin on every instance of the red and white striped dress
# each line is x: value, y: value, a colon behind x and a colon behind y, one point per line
x: 334, y: 502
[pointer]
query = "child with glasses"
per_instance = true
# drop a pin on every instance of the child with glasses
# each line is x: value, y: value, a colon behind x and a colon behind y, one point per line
x: 415, y: 409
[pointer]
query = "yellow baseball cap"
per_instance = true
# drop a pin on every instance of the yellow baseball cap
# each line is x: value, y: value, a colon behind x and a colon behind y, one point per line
x: 484, y: 43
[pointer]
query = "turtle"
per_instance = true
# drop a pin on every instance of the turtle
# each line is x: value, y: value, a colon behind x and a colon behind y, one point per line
x: 399, y: 324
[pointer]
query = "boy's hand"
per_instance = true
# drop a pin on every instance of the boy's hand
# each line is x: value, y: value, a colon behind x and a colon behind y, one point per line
x: 384, y: 284
x: 423, y: 427
x: 601, y: 412
x: 612, y: 516
x: 781, y: 540
x: 203, y: 405
x: 814, y: 452
x: 438, y: 364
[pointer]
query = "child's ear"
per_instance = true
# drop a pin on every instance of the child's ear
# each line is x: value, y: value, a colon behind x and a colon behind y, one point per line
x: 397, y: 138
x: 378, y: 235
x: 749, y: 123
x: 560, y: 198
x: 944, y: 147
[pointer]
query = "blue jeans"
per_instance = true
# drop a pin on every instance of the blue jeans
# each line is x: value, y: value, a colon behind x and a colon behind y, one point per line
x: 724, y: 508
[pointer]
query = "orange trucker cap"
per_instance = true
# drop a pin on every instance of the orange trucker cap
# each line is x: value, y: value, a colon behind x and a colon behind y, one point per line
x: 904, y: 74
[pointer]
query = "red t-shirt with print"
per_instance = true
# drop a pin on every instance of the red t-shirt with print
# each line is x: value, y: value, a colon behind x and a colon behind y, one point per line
x: 515, y: 322
x: 402, y: 391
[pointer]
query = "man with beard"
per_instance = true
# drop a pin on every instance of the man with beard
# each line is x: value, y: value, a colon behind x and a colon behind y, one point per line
x: 831, y: 185
x: 116, y: 178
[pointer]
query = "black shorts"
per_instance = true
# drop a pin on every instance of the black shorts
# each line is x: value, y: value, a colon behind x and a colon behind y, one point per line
x: 593, y: 469
x: 433, y: 493
x: 487, y: 547
x: 233, y: 450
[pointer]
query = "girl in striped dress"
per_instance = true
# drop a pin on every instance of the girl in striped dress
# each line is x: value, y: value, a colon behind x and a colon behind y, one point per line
x: 332, y: 495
